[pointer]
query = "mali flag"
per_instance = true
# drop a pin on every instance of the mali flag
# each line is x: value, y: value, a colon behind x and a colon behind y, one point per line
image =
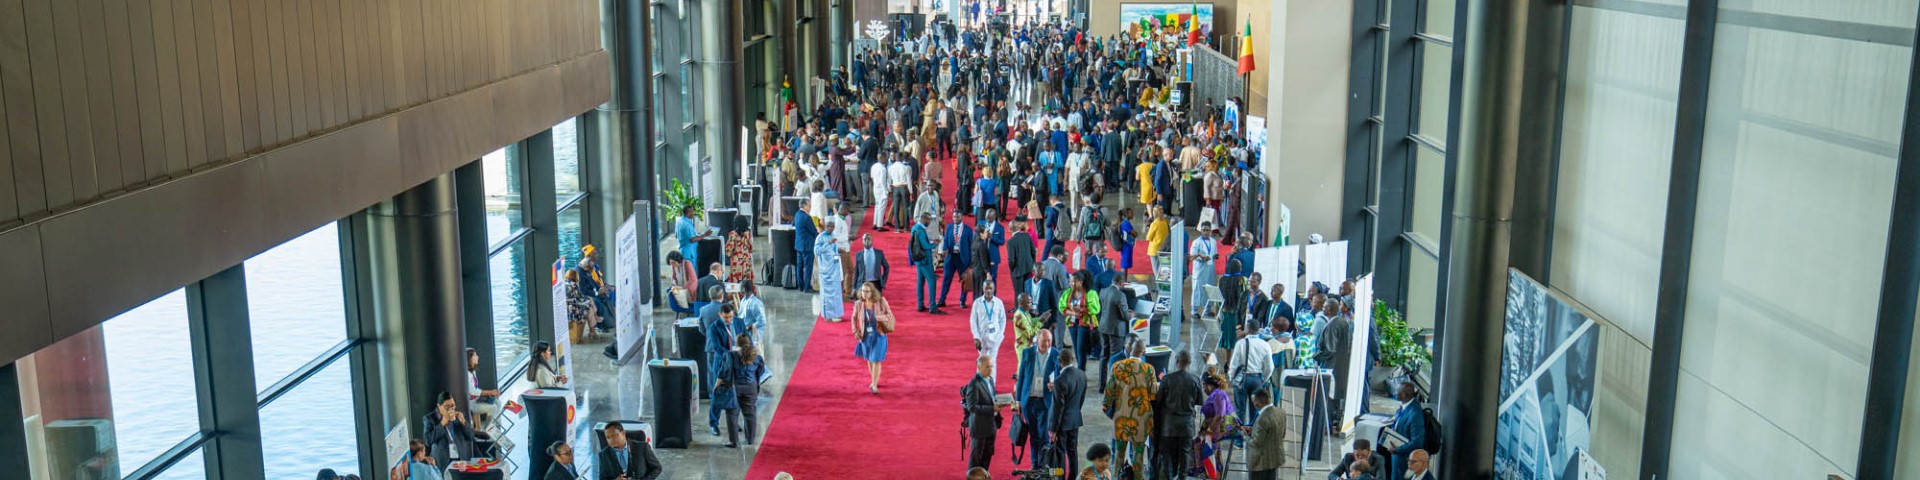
x: 1193, y: 27
x: 1246, y: 50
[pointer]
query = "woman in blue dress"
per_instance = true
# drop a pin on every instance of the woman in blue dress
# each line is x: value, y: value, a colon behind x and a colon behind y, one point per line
x: 826, y: 251
x: 873, y: 321
x: 1124, y: 241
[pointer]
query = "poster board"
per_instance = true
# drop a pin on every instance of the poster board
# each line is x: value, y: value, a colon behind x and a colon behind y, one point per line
x: 562, y: 344
x: 1362, y: 331
x: 632, y: 308
x: 1548, y: 371
x: 1326, y: 263
x: 1156, y: 14
x: 1278, y: 265
x: 1257, y: 134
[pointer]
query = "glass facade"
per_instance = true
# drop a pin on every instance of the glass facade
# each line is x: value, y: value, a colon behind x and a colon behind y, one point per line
x: 567, y: 179
x: 505, y: 179
x: 296, y: 304
x: 107, y: 401
x: 511, y: 306
x: 308, y: 423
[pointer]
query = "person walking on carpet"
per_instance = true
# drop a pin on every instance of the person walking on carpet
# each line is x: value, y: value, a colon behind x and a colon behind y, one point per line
x: 989, y: 324
x: 873, y: 322
x: 827, y: 252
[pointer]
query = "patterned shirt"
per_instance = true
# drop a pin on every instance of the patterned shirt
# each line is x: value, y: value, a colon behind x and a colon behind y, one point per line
x: 1129, y: 399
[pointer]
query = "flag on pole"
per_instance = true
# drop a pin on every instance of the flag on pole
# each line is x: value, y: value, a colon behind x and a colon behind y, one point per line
x: 1193, y: 27
x: 1173, y: 21
x: 1246, y: 50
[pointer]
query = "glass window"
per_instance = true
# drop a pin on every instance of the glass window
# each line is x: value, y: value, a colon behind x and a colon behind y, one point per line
x: 1623, y: 82
x: 295, y: 303
x: 192, y: 466
x: 108, y: 400
x: 572, y: 234
x: 1429, y: 188
x: 510, y: 304
x: 1436, y: 79
x: 686, y: 93
x: 1908, y: 465
x: 1789, y: 247
x: 566, y: 159
x: 505, y: 179
x: 1423, y: 287
x: 1439, y: 19
x: 312, y: 423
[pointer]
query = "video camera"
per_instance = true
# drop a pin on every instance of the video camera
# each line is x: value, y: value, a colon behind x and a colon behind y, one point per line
x: 1039, y: 474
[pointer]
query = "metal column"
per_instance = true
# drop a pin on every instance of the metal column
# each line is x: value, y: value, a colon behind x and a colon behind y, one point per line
x: 414, y: 250
x: 1503, y: 61
x: 617, y: 147
x: 223, y: 369
x: 1880, y: 447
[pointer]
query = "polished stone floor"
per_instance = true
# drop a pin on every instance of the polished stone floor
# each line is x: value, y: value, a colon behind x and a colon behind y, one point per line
x: 616, y: 391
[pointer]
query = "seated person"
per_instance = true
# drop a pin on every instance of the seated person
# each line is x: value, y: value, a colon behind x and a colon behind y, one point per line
x: 627, y: 460
x: 1354, y: 464
x: 483, y: 402
x: 448, y: 435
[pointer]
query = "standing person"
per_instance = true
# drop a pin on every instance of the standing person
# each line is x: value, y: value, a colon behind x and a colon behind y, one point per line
x: 922, y: 252
x: 1123, y: 240
x: 804, y: 235
x: 624, y: 459
x: 928, y: 203
x: 989, y: 319
x: 1158, y: 233
x: 995, y: 236
x: 1214, y: 425
x: 827, y: 251
x: 842, y: 232
x: 983, y: 414
x: 1233, y: 293
x: 1116, y: 321
x: 1069, y: 388
x: 1129, y: 402
x: 742, y: 375
x: 1335, y: 342
x: 716, y: 324
x: 1041, y: 363
x: 870, y: 265
x: 1179, y: 399
x: 1026, y: 323
x: 684, y: 232
x: 739, y: 255
x: 1143, y: 175
x: 1200, y: 255
x: 1411, y: 423
x: 752, y: 313
x: 982, y: 271
x: 1080, y: 307
x: 881, y: 195
x: 1250, y: 366
x: 1020, y: 254
x: 873, y: 322
x: 900, y: 178
x: 1266, y: 438
x: 957, y: 248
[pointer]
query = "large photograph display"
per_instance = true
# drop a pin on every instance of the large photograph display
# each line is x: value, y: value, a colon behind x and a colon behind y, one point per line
x: 1547, y: 373
x: 1156, y: 14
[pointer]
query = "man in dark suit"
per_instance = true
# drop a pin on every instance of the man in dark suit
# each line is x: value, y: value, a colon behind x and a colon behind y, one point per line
x: 448, y: 435
x: 1277, y: 306
x: 627, y: 460
x: 1069, y: 394
x: 716, y: 322
x: 1417, y: 466
x: 1116, y: 322
x: 983, y: 416
x: 996, y: 238
x: 562, y: 468
x: 1411, y: 424
x: 1335, y: 344
x: 1178, y: 402
x: 957, y: 244
x: 1039, y: 364
x: 1046, y: 300
x: 1362, y: 455
x: 1020, y: 254
x: 870, y: 265
x: 703, y: 288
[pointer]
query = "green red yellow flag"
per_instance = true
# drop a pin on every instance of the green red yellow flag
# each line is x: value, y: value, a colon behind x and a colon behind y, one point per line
x: 1246, y: 50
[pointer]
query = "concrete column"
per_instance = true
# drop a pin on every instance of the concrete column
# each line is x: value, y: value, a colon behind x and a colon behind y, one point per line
x: 414, y: 250
x: 620, y: 158
x: 721, y: 87
x: 839, y: 15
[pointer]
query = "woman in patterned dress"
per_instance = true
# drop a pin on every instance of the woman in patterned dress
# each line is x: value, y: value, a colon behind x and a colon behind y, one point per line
x: 740, y: 255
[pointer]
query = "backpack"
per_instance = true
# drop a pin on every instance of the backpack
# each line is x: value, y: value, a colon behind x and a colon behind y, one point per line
x: 1095, y: 226
x: 1432, y: 431
x: 917, y: 252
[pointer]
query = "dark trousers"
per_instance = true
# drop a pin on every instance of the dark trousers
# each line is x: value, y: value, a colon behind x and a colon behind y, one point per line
x: 1264, y: 474
x: 803, y: 269
x: 1037, y: 445
x: 1086, y: 344
x: 902, y: 207
x: 1170, y: 457
x: 1068, y: 443
x: 980, y: 452
x: 748, y: 403
x: 1113, y: 342
x: 946, y: 281
x: 922, y: 285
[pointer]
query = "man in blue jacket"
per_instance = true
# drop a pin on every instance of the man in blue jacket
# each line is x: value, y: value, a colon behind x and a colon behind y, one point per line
x: 957, y: 245
x: 803, y: 235
x: 1411, y: 424
x: 922, y: 257
x: 1037, y: 368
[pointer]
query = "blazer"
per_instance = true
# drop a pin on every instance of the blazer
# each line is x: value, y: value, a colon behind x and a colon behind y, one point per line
x: 1269, y: 435
x: 1346, y: 465
x: 454, y: 434
x: 1047, y: 301
x: 1411, y: 424
x: 803, y: 232
x: 641, y: 463
x: 982, y: 419
x: 1020, y: 255
x: 559, y: 472
x: 958, y: 244
x: 1069, y: 394
x: 1032, y: 363
x: 997, y: 237
x: 1179, y: 401
x: 1116, y: 317
x: 860, y: 264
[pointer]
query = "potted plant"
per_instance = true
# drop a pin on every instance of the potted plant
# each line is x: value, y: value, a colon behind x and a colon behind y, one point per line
x: 676, y: 196
x: 1400, y: 355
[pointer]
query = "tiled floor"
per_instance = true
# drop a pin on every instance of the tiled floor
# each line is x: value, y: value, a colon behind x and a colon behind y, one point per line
x: 617, y: 392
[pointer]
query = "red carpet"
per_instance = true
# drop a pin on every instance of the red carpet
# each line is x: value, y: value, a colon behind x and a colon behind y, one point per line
x: 828, y: 426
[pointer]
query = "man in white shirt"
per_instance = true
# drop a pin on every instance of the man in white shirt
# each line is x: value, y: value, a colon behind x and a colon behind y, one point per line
x: 989, y: 320
x: 880, y: 195
x: 1201, y: 253
x: 900, y: 178
x: 1251, y: 365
